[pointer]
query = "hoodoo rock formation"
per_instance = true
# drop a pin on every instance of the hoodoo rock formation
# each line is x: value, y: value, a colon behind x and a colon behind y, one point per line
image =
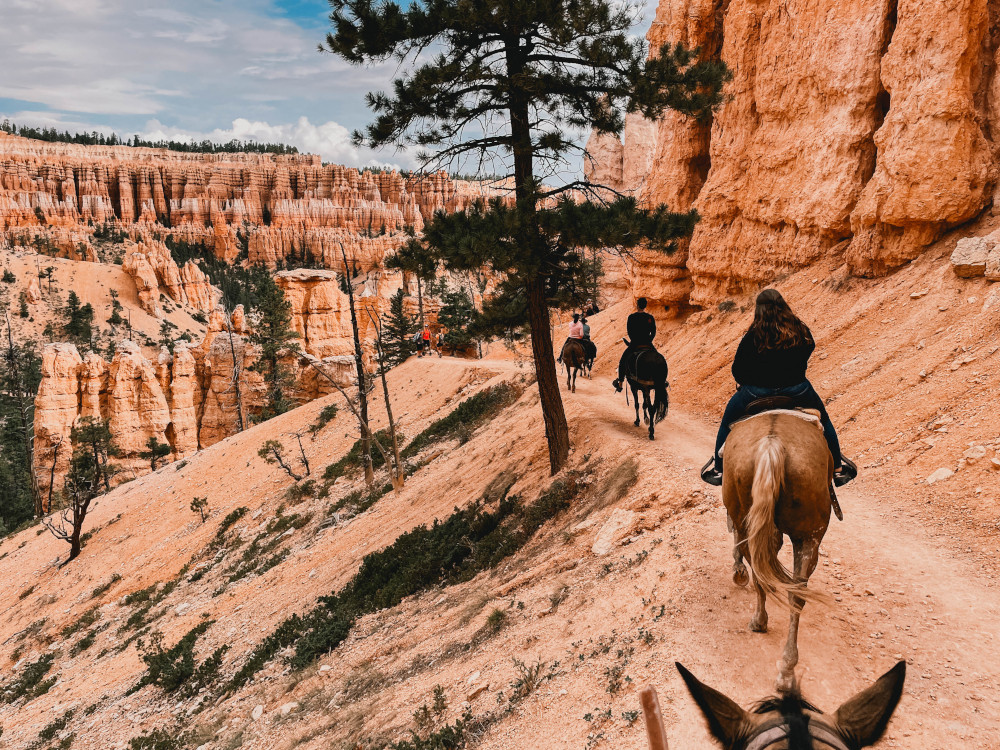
x: 137, y: 206
x: 292, y: 209
x: 861, y: 129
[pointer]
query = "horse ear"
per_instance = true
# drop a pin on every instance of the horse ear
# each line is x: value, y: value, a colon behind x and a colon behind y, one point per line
x: 726, y: 720
x: 863, y: 718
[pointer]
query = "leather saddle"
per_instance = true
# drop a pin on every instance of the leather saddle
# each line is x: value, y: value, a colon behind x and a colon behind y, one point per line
x: 769, y: 403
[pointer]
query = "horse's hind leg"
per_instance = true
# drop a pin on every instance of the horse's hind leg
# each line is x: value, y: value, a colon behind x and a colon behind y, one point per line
x: 740, y: 575
x: 635, y: 398
x: 806, y: 556
x: 576, y: 371
x: 650, y: 416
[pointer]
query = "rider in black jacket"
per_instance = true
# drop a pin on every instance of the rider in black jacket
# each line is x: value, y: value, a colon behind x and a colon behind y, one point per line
x: 641, y: 327
x: 771, y: 360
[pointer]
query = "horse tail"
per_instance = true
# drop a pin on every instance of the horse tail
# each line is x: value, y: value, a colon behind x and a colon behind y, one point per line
x: 763, y: 537
x: 661, y: 400
x: 661, y: 397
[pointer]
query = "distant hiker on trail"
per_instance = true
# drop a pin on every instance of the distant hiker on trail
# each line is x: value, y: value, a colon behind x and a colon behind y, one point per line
x: 425, y: 341
x: 641, y: 328
x: 771, y: 363
x: 440, y: 341
x: 575, y: 332
x: 590, y: 308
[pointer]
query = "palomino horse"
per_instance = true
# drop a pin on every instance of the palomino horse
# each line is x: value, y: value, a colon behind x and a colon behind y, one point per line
x: 649, y: 373
x: 776, y: 482
x: 787, y: 722
x: 574, y: 358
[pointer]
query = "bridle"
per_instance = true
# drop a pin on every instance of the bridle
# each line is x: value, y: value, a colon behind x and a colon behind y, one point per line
x: 775, y: 734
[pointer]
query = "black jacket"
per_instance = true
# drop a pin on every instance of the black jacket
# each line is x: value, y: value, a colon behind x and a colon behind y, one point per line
x: 771, y: 368
x: 641, y: 327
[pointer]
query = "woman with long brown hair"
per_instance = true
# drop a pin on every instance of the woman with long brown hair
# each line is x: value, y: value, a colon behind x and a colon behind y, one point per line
x: 771, y: 360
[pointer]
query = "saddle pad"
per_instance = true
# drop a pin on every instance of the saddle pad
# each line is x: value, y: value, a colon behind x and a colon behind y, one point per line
x: 809, y: 415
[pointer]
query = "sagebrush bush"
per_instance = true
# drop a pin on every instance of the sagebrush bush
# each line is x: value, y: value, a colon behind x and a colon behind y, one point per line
x: 176, y: 668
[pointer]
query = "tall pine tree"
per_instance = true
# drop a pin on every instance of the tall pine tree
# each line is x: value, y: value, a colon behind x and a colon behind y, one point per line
x: 520, y: 81
x: 272, y: 333
x: 397, y: 332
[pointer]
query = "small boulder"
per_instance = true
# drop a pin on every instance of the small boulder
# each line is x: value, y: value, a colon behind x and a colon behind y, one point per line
x: 993, y: 264
x: 974, y: 453
x: 257, y: 712
x: 939, y: 475
x: 969, y: 258
x: 288, y: 708
x: 619, y: 525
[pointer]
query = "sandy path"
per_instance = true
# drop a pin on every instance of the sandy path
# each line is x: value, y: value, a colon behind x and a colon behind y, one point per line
x: 899, y: 594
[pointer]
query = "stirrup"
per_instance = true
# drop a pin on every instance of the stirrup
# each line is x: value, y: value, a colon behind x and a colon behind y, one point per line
x: 848, y: 470
x: 617, y: 383
x: 835, y: 504
x: 710, y: 474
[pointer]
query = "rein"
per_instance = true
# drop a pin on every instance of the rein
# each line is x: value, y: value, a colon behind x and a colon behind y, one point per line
x: 775, y: 734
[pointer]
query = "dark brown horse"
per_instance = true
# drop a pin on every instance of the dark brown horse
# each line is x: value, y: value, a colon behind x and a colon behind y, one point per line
x: 574, y: 357
x: 788, y: 722
x: 648, y: 373
x: 776, y: 482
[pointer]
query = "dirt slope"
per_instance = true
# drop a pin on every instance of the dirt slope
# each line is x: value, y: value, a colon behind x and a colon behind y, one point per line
x: 911, y: 572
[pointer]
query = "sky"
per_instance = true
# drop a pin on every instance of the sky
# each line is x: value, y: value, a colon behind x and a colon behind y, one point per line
x: 217, y: 69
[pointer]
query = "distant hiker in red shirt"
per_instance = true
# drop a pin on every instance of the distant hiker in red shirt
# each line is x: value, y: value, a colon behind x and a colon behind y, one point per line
x: 425, y: 341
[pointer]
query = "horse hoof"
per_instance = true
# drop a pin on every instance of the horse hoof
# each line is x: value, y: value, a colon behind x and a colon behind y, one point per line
x: 636, y: 423
x: 741, y: 578
x: 651, y: 436
x: 758, y: 627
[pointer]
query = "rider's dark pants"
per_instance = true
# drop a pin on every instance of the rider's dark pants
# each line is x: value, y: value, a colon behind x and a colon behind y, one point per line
x: 805, y: 396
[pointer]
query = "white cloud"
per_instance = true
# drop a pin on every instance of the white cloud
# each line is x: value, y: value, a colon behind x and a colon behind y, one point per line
x: 330, y: 140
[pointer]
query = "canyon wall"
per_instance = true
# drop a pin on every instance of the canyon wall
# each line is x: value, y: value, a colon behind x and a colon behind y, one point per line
x: 131, y: 206
x: 856, y: 129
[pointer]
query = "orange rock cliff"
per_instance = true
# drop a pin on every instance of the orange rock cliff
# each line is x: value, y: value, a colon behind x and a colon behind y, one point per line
x: 850, y: 129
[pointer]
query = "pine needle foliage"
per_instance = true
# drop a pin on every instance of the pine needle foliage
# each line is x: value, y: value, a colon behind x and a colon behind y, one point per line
x: 519, y: 82
x: 397, y: 331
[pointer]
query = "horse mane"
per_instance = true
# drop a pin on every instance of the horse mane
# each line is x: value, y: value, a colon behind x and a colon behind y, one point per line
x: 792, y: 708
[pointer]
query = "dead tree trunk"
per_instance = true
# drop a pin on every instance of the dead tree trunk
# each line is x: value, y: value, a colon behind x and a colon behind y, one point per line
x: 398, y: 475
x: 366, y: 434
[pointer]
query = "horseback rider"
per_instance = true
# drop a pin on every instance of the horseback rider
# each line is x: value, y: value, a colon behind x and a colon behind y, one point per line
x: 771, y: 361
x: 589, y: 347
x: 575, y: 332
x: 641, y: 327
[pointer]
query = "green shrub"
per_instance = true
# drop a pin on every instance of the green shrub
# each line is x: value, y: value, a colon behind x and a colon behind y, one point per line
x: 451, y: 551
x: 160, y: 739
x: 98, y: 590
x: 466, y: 417
x: 175, y: 668
x: 30, y: 684
x: 85, y: 620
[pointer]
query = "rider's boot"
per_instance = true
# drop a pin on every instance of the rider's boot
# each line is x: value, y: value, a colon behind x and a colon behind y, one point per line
x: 617, y: 383
x: 711, y: 473
x: 844, y: 473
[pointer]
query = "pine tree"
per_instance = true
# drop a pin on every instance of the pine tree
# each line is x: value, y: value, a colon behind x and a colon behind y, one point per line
x: 457, y: 316
x: 20, y: 373
x: 78, y: 321
x: 90, y: 473
x: 397, y: 332
x: 273, y: 334
x: 156, y: 452
x: 517, y: 80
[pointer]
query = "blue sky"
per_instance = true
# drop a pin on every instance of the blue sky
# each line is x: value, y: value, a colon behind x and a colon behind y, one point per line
x: 186, y: 68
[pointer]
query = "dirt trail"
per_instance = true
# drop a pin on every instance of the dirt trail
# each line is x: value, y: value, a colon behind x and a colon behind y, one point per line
x: 898, y: 594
